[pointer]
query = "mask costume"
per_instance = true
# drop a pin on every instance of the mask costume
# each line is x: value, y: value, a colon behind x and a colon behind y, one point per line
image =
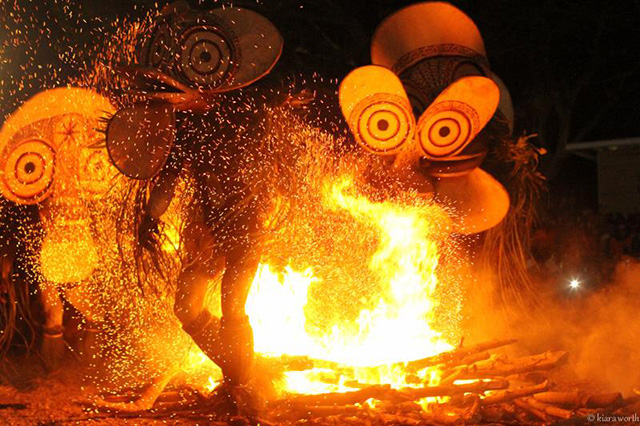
x: 51, y: 162
x: 189, y: 123
x: 425, y: 106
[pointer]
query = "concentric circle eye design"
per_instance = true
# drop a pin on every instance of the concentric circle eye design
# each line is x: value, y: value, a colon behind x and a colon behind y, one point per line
x: 382, y: 123
x: 207, y: 58
x: 447, y: 129
x: 158, y: 51
x: 27, y: 172
x: 160, y: 47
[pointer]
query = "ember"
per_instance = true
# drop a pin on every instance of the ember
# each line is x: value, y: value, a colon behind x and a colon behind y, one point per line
x: 201, y: 222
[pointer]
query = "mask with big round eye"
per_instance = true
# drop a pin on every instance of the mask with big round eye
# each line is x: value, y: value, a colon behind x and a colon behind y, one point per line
x: 377, y: 109
x: 27, y: 171
x: 218, y: 50
x: 456, y: 116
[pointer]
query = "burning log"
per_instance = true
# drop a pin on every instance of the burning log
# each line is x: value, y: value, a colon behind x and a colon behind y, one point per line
x: 455, y: 355
x: 327, y: 404
x: 468, y: 360
x: 511, y: 394
x: 458, y: 369
x: 394, y: 419
x: 531, y: 409
x: 472, y: 414
x: 337, y: 398
x: 579, y: 399
x: 494, y: 413
x: 492, y: 368
x: 452, y: 390
x: 549, y: 409
x: 326, y: 411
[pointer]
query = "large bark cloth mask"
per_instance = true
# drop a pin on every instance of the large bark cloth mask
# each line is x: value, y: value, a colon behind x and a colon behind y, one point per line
x: 189, y: 57
x: 431, y: 56
x: 35, y: 140
x: 379, y: 115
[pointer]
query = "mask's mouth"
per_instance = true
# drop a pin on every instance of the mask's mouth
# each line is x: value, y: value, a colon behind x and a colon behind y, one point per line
x: 418, y: 173
x: 453, y: 166
x: 477, y: 200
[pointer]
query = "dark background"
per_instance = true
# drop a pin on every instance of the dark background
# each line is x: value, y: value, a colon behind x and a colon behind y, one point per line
x: 571, y: 66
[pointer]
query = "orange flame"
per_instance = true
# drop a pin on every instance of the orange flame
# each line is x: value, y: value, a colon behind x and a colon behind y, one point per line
x: 397, y: 327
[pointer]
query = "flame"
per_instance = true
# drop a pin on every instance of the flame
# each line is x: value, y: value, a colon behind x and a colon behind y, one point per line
x: 396, y: 327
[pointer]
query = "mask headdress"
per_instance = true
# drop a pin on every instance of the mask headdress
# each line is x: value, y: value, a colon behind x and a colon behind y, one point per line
x: 33, y: 138
x: 429, y: 45
x: 190, y: 57
x: 433, y: 57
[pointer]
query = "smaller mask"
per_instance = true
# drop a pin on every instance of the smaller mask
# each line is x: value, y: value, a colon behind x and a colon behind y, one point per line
x: 189, y: 58
x: 379, y: 113
x: 51, y: 154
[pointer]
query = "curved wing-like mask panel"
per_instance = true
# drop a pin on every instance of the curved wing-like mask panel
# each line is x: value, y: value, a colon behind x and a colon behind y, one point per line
x: 377, y: 109
x: 456, y: 116
x: 140, y: 138
x: 479, y: 201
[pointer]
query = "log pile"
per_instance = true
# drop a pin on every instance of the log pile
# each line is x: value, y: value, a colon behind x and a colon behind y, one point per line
x: 476, y: 386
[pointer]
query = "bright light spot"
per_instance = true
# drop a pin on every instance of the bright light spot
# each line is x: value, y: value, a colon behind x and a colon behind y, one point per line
x: 574, y: 284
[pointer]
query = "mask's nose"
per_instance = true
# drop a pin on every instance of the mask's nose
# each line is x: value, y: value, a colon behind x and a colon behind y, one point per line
x: 68, y: 253
x: 406, y: 170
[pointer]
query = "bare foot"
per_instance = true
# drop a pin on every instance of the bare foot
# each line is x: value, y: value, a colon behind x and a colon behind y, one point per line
x: 144, y: 402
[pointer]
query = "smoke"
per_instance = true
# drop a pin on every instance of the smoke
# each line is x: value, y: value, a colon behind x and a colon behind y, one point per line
x: 600, y: 331
x: 597, y: 324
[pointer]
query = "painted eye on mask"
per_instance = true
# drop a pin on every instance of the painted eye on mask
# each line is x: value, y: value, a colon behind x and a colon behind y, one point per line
x: 207, y: 56
x: 28, y: 171
x: 95, y: 172
x: 456, y: 116
x: 377, y: 109
x: 160, y: 47
x: 39, y: 142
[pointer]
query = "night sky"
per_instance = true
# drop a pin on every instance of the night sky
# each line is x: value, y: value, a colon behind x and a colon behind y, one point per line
x: 571, y: 66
